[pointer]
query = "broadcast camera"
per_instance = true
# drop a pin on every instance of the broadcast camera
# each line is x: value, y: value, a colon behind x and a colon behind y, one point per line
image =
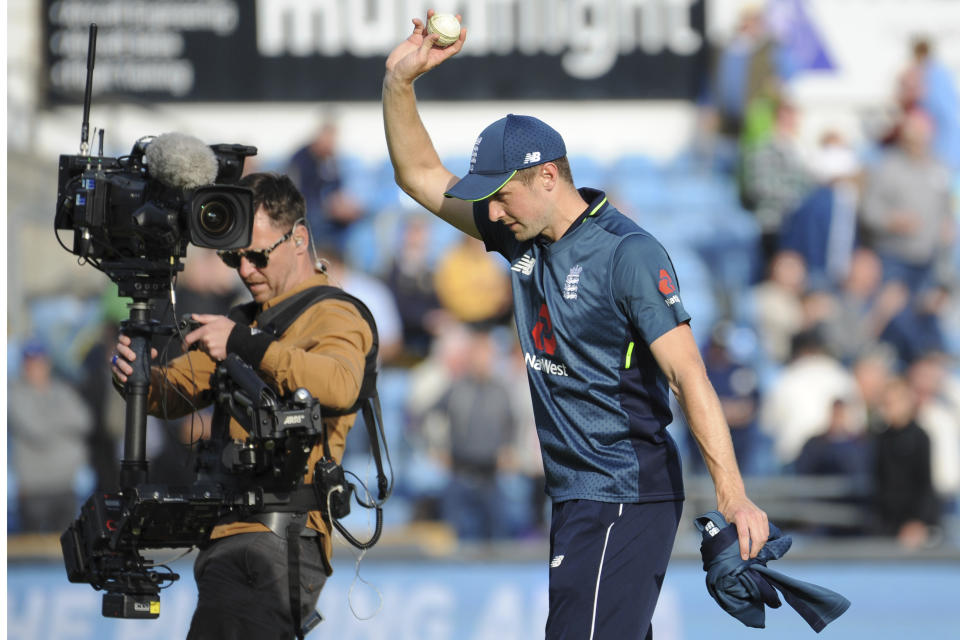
x: 133, y: 216
x: 149, y: 204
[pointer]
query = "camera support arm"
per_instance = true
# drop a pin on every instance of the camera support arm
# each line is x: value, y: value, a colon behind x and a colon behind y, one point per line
x: 133, y: 467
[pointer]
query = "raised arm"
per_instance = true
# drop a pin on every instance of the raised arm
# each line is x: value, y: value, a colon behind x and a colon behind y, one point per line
x: 678, y: 357
x: 416, y: 165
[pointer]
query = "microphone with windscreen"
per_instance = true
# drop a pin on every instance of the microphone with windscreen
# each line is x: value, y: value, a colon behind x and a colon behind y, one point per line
x: 181, y: 161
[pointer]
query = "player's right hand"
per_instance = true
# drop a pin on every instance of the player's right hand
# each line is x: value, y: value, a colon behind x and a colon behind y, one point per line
x: 416, y: 55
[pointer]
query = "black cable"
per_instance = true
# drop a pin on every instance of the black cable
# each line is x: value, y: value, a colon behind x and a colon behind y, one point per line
x: 363, y: 546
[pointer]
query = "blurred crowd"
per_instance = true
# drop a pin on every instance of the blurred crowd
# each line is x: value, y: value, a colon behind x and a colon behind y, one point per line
x: 823, y: 285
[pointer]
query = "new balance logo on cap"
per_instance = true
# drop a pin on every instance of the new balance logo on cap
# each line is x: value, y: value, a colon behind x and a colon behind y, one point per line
x: 531, y: 157
x: 556, y: 561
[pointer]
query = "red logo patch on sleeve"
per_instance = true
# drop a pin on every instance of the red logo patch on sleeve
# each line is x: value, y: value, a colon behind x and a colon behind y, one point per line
x: 666, y: 283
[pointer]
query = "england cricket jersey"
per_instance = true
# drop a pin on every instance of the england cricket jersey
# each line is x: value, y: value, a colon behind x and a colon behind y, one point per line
x: 587, y: 306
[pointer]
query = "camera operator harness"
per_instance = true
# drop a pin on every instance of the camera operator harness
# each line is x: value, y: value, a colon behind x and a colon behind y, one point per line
x: 268, y: 469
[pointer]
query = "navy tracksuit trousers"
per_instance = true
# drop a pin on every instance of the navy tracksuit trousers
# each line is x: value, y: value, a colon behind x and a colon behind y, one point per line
x: 607, y: 564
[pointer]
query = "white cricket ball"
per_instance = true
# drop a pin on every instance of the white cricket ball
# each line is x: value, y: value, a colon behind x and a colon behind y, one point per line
x: 446, y: 26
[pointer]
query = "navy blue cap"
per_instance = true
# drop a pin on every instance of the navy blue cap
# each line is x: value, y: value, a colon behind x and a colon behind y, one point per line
x: 506, y: 146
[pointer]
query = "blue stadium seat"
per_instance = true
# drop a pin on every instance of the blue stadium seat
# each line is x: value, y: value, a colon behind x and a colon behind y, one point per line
x: 732, y: 251
x: 705, y: 191
x: 373, y: 185
x: 631, y: 165
x: 641, y: 194
x: 635, y: 184
x: 588, y: 171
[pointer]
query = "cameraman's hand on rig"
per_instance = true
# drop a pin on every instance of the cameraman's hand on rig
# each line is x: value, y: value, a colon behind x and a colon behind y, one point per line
x: 207, y: 332
x: 211, y: 336
x: 124, y: 355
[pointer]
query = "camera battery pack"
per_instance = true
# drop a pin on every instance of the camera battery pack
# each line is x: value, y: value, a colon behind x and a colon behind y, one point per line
x: 334, y: 488
x: 126, y: 605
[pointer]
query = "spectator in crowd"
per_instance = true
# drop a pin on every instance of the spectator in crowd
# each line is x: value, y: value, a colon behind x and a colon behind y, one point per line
x: 818, y: 306
x: 823, y: 228
x: 481, y: 432
x: 374, y: 293
x: 840, y: 450
x: 775, y: 177
x: 472, y: 284
x: 737, y: 386
x: 937, y: 393
x: 800, y: 401
x: 914, y: 329
x: 940, y: 98
x: 427, y: 430
x: 49, y: 424
x: 930, y: 85
x: 907, y: 208
x: 872, y: 370
x: 862, y: 308
x: 777, y: 307
x: 866, y: 311
x: 410, y: 279
x: 906, y: 503
x: 315, y: 170
x: 746, y: 69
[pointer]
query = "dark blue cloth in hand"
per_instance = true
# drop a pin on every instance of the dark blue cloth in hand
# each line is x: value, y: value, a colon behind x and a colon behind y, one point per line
x: 742, y: 588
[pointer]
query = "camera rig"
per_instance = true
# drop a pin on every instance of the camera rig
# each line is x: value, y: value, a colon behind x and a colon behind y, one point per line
x: 102, y: 547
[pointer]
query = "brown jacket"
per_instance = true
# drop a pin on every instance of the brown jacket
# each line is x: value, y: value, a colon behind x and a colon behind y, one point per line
x: 324, y: 350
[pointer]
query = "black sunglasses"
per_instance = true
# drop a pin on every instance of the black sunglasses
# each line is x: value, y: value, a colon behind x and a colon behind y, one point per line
x: 258, y: 259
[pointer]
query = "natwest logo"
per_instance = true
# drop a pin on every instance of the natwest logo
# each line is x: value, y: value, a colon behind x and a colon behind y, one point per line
x: 542, y: 333
x: 546, y: 365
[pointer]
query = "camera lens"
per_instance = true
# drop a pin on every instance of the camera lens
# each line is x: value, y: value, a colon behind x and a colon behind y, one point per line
x: 216, y: 217
x: 220, y: 217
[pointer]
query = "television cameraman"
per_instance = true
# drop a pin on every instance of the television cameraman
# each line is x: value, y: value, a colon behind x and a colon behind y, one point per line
x: 242, y: 575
